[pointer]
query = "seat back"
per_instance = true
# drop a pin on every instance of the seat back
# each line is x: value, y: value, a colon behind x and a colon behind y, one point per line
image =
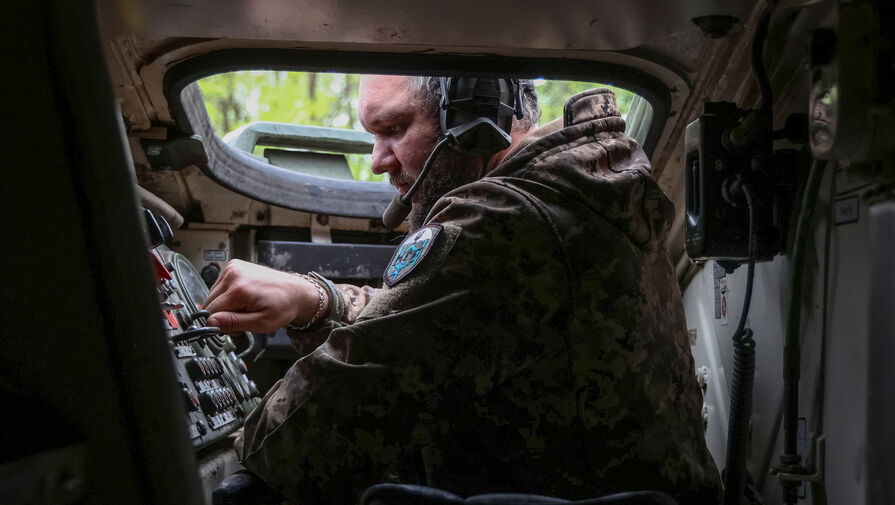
x: 403, y: 494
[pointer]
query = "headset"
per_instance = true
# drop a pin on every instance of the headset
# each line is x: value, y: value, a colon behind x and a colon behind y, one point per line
x: 476, y: 116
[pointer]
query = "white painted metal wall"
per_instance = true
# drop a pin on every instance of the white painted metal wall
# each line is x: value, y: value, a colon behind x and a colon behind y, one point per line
x: 841, y: 414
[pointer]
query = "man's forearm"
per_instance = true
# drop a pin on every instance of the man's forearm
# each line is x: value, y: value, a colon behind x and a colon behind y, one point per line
x: 344, y: 302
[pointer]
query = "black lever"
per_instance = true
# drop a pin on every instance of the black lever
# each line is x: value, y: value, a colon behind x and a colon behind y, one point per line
x: 153, y: 229
x: 203, y: 331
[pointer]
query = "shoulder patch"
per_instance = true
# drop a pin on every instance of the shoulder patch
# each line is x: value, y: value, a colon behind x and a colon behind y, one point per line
x: 410, y: 253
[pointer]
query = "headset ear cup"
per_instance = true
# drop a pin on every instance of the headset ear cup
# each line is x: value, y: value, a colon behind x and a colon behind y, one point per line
x: 477, y: 113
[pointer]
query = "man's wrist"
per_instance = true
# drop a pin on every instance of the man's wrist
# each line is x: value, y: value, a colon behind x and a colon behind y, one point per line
x: 335, y: 310
x: 318, y: 299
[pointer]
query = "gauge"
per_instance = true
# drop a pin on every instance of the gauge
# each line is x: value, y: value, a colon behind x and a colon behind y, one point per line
x: 195, y: 289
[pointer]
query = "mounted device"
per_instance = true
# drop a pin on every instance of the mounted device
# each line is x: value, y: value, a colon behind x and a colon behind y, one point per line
x: 851, y: 96
x: 476, y: 116
x: 726, y: 148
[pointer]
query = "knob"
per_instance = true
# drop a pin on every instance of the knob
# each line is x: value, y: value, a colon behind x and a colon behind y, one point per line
x: 210, y: 273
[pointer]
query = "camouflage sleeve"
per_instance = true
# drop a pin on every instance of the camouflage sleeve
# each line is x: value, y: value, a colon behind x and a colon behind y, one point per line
x: 355, y: 299
x: 346, y: 303
x: 404, y: 392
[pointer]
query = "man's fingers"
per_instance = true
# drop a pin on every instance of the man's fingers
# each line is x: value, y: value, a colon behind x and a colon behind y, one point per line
x: 217, y: 303
x: 234, y: 322
x: 216, y: 289
x: 222, y: 283
x: 250, y: 298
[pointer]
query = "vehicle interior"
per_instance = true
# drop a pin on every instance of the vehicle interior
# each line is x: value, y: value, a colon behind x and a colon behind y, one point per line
x: 136, y: 168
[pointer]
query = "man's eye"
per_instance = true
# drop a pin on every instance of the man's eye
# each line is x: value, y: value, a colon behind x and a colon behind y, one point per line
x: 395, y: 130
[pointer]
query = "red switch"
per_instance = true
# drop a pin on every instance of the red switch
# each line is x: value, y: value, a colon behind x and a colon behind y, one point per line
x: 160, y: 271
x: 172, y: 319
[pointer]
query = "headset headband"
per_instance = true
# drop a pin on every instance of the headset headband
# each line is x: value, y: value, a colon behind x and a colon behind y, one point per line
x: 477, y: 113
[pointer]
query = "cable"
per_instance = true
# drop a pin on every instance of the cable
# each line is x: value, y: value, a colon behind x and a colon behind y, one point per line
x: 790, y: 458
x: 824, y: 331
x: 741, y: 384
x: 251, y: 338
x: 751, y: 262
x: 818, y: 490
x: 761, y: 75
x: 755, y: 131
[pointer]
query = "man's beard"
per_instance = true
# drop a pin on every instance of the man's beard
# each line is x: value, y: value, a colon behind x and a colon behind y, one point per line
x: 449, y: 171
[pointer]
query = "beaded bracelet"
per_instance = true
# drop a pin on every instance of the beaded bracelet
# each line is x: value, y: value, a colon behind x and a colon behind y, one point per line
x: 320, y: 302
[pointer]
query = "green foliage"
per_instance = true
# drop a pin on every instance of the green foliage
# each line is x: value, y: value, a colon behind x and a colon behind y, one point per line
x: 552, y: 96
x: 320, y: 99
x: 329, y: 99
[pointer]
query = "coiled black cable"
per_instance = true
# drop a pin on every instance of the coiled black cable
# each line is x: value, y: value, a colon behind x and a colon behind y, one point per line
x: 741, y: 384
x: 743, y: 344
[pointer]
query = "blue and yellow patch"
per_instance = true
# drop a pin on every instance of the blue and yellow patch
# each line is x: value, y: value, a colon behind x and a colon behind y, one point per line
x: 410, y: 253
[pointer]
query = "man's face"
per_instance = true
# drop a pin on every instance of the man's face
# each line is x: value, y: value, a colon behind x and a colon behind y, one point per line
x: 404, y: 135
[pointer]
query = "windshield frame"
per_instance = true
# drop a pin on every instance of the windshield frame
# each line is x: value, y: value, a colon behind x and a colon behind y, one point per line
x: 246, y: 175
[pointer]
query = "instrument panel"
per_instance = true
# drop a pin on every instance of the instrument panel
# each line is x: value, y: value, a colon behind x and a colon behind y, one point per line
x: 211, y: 372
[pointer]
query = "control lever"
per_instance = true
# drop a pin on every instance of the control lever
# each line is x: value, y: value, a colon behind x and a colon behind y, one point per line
x: 196, y: 315
x: 153, y: 229
x: 202, y: 331
x: 167, y: 232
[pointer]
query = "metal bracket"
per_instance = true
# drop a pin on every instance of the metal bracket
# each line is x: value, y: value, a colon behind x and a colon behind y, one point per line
x: 320, y: 229
x: 175, y: 153
x: 804, y: 476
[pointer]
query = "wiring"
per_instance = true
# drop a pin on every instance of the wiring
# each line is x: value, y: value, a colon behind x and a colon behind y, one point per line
x: 790, y: 461
x: 251, y: 338
x: 818, y: 490
x: 743, y: 343
x: 758, y: 69
x: 743, y: 376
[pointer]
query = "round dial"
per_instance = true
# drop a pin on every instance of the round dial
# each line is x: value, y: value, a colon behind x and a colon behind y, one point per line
x: 195, y: 289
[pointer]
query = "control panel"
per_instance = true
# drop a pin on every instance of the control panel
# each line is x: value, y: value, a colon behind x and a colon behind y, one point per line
x: 211, y: 372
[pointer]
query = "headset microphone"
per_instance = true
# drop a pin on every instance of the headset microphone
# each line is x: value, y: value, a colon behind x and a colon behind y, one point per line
x: 476, y: 116
x: 401, y: 205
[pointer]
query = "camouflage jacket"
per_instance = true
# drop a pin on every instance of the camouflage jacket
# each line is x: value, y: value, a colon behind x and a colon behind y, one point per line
x: 530, y: 339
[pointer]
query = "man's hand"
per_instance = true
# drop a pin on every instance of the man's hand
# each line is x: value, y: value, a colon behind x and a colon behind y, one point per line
x: 249, y: 297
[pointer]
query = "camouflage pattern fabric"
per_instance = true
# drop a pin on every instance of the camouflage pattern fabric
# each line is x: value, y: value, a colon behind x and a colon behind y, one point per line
x: 539, y: 347
x: 347, y: 301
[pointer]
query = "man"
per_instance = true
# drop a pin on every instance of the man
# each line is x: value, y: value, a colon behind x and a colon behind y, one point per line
x: 530, y: 337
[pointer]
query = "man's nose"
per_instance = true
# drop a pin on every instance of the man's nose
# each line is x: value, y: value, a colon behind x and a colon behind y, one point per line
x: 383, y: 160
